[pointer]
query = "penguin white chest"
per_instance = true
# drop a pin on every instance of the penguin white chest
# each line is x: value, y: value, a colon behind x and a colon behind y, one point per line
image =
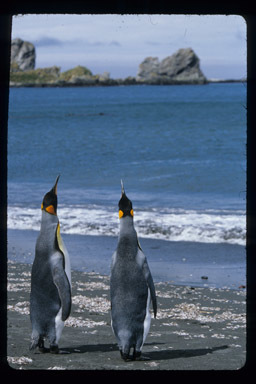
x: 147, y: 320
x: 59, y: 325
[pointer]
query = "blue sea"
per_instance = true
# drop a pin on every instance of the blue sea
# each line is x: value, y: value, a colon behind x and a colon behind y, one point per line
x: 180, y: 151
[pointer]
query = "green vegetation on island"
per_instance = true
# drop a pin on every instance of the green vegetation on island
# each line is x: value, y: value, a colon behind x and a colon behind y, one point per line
x: 182, y: 67
x: 52, y: 76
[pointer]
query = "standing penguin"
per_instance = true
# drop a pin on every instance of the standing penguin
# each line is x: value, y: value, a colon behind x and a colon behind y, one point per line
x: 50, y: 298
x: 131, y: 287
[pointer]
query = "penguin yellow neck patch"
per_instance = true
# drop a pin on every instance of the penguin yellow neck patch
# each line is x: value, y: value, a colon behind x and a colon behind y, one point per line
x: 50, y: 209
x: 59, y: 239
x: 121, y: 213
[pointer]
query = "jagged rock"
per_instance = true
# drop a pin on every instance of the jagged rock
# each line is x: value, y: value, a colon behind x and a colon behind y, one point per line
x: 23, y: 55
x: 148, y: 69
x: 182, y: 67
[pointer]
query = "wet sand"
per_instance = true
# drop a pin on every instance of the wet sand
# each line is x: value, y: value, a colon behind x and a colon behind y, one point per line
x: 181, y: 263
x: 196, y: 328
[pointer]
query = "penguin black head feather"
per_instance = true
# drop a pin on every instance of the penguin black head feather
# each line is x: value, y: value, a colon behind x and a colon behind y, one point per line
x: 50, y: 200
x: 125, y: 205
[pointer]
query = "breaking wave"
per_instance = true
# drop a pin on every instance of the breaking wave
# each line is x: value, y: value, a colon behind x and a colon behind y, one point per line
x: 207, y: 226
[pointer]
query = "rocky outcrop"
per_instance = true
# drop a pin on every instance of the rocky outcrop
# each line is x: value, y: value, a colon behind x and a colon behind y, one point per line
x: 23, y: 55
x: 148, y: 70
x: 183, y: 67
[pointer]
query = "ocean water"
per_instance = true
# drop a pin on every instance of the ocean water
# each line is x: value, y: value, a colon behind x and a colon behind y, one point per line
x: 180, y: 151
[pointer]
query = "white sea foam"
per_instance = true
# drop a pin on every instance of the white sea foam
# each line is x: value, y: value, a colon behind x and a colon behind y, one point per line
x: 206, y: 226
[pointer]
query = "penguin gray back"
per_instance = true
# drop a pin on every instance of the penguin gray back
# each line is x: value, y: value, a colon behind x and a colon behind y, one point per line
x: 131, y: 286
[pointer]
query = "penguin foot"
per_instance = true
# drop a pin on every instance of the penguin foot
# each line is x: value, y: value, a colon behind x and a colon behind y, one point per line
x: 38, y: 345
x: 54, y: 349
x: 136, y: 355
x: 43, y: 349
x: 125, y: 356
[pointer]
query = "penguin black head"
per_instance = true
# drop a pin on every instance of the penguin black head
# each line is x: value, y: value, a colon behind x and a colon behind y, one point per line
x: 50, y: 200
x: 125, y: 205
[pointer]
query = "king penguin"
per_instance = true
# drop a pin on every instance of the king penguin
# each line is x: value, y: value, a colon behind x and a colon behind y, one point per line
x: 50, y: 297
x: 131, y: 287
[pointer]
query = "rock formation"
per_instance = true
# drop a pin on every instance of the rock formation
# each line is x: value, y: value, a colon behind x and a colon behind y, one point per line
x: 183, y: 67
x: 23, y: 55
x: 148, y: 70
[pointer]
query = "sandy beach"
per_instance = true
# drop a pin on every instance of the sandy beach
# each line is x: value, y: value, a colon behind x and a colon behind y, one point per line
x: 195, y: 329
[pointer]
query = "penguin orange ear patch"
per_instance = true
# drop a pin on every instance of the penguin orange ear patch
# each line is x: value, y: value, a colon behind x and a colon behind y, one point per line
x: 50, y: 209
x: 120, y: 213
x: 131, y: 212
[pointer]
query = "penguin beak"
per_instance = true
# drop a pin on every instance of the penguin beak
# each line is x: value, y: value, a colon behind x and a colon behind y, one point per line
x: 122, y: 188
x: 120, y: 213
x: 55, y: 185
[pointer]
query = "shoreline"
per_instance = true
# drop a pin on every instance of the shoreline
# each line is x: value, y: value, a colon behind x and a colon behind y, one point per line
x: 195, y: 329
x: 178, y: 263
x: 118, y: 82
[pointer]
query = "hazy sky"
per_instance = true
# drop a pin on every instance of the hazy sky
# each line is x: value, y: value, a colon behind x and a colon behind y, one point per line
x: 119, y: 43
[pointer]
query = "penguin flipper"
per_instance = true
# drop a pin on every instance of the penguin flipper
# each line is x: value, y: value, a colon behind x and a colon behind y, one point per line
x: 150, y: 283
x: 142, y: 261
x: 62, y: 283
